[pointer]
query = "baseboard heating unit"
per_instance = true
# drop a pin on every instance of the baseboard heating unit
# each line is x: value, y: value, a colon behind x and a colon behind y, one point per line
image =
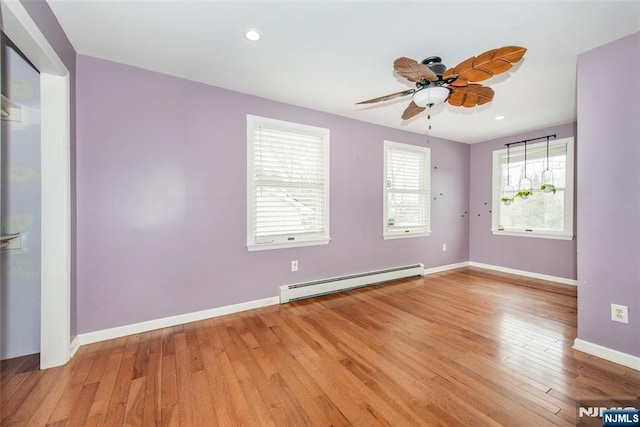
x: 328, y: 286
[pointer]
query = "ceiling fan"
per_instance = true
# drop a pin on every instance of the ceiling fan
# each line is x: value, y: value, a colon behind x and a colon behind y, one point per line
x: 458, y: 86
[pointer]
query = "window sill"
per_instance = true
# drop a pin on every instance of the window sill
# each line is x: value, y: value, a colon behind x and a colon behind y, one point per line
x: 405, y: 236
x: 284, y: 245
x: 538, y: 235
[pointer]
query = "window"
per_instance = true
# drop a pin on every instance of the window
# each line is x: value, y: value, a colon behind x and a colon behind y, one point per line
x: 288, y: 184
x: 547, y: 215
x: 406, y: 190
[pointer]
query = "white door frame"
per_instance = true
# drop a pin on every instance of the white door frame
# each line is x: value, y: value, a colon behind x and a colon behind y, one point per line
x: 55, y: 329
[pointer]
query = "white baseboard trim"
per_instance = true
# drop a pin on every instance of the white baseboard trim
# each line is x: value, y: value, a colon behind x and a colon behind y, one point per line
x: 442, y: 268
x: 74, y: 347
x: 530, y: 274
x: 136, y: 328
x: 607, y: 353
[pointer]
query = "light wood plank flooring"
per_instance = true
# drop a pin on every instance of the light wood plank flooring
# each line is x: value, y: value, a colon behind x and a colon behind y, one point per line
x: 465, y: 347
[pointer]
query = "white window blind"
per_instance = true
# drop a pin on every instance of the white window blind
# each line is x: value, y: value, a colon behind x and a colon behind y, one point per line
x: 548, y: 215
x: 407, y: 174
x: 288, y: 182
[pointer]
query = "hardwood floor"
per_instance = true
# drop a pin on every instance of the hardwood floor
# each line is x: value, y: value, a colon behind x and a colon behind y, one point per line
x: 465, y: 347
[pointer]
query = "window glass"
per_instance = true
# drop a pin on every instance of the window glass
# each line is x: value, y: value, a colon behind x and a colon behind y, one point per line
x: 406, y: 191
x: 548, y: 211
x: 288, y: 171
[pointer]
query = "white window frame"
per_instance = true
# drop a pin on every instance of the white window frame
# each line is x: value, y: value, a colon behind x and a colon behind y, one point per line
x: 399, y: 232
x: 285, y: 240
x: 567, y: 232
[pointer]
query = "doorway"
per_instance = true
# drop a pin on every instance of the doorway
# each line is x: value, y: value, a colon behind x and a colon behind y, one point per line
x: 55, y: 175
x: 20, y: 205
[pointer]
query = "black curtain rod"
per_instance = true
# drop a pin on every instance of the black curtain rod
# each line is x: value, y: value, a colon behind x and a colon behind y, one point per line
x: 529, y: 140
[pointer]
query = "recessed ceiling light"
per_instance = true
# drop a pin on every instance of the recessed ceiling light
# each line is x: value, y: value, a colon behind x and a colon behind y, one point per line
x: 252, y: 35
x: 499, y: 117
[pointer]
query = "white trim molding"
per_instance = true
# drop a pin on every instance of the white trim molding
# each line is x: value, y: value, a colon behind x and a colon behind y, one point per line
x: 136, y: 328
x: 538, y: 235
x: 607, y: 353
x: 442, y: 268
x: 74, y: 347
x: 56, y: 221
x: 563, y: 280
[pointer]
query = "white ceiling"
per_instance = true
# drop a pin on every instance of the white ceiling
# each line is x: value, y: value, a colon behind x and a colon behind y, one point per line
x: 327, y: 55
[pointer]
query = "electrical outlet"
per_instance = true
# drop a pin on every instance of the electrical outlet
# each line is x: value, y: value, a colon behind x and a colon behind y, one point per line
x: 619, y: 313
x: 444, y: 247
x: 294, y: 265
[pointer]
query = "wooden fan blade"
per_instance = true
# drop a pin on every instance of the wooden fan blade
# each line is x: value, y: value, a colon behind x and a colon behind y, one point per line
x: 456, y: 98
x: 387, y: 97
x: 466, y: 71
x: 510, y: 53
x: 412, y: 110
x: 485, y: 94
x: 459, y: 82
x: 489, y: 63
x: 413, y: 71
x: 448, y: 73
x: 470, y: 96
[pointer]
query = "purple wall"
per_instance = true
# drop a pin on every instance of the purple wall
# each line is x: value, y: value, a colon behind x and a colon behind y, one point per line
x: 608, y: 205
x: 544, y: 256
x: 161, y: 190
x: 48, y: 24
x: 161, y: 183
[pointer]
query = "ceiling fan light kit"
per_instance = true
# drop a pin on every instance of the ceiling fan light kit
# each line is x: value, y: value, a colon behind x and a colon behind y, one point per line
x: 430, y: 95
x: 458, y: 86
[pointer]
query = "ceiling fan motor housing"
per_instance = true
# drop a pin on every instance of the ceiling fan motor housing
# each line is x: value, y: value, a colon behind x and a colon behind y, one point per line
x: 435, y: 64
